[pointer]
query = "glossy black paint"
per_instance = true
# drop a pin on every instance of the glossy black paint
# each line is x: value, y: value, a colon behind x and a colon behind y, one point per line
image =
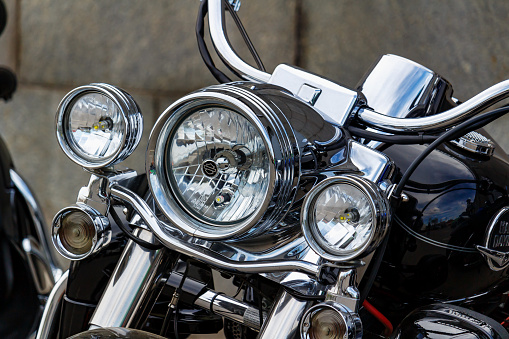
x: 447, y: 321
x: 431, y: 254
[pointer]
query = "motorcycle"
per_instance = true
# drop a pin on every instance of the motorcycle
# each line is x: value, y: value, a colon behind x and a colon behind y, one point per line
x: 285, y: 205
x: 28, y: 269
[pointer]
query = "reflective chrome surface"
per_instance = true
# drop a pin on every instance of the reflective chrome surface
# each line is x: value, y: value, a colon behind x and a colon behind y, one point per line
x: 225, y: 51
x: 401, y: 88
x: 345, y: 291
x: 350, y: 326
x: 495, y: 248
x: 439, y: 121
x: 375, y: 166
x: 202, y: 253
x: 132, y: 124
x: 379, y: 206
x: 129, y: 284
x: 334, y: 101
x: 49, y: 315
x: 475, y: 142
x: 281, y: 151
x: 230, y: 308
x: 101, y: 225
x: 283, y: 321
x: 39, y: 222
x: 38, y: 265
x: 96, y: 193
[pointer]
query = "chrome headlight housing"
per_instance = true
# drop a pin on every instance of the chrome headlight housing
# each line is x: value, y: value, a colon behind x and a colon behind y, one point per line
x: 345, y: 217
x: 79, y: 230
x: 98, y: 125
x: 221, y: 161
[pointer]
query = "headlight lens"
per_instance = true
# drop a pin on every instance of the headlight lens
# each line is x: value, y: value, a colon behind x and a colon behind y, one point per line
x: 222, y: 163
x: 218, y: 165
x: 95, y: 126
x: 98, y: 125
x: 344, y: 217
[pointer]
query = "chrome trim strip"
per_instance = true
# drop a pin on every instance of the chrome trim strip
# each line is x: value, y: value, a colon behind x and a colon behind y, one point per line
x: 38, y: 220
x: 49, y: 314
x: 204, y: 254
x: 439, y: 121
x: 225, y: 51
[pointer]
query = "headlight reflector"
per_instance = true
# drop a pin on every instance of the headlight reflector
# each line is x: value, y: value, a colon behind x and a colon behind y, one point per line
x: 98, y: 125
x: 218, y: 165
x: 344, y: 217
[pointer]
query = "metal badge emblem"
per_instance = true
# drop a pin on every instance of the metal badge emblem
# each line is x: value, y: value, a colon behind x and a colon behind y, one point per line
x: 496, y: 241
x: 209, y: 168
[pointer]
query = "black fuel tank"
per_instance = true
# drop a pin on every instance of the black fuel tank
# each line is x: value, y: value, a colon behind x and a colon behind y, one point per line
x: 431, y: 255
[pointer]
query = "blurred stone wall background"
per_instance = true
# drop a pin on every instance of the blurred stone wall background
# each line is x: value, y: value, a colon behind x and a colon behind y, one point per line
x: 149, y: 49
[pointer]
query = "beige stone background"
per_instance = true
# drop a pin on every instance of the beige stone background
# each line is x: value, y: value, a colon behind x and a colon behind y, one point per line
x: 149, y: 49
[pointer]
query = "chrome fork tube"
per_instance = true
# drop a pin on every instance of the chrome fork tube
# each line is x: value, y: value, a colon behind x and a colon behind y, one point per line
x: 283, y: 321
x: 126, y: 294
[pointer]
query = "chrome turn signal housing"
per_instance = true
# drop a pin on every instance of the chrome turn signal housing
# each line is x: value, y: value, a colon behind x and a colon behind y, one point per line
x: 78, y: 231
x: 98, y: 125
x: 330, y: 320
x: 344, y: 217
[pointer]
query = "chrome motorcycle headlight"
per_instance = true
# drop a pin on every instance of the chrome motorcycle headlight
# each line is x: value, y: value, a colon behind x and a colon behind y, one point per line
x: 216, y: 161
x: 344, y: 217
x: 98, y: 125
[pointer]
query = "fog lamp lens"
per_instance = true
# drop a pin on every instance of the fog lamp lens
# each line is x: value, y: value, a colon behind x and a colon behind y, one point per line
x: 79, y: 231
x: 98, y: 125
x: 330, y: 320
x: 345, y: 217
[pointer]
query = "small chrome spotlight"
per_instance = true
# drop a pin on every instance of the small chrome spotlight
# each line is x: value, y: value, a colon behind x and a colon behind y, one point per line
x: 79, y: 231
x: 330, y: 320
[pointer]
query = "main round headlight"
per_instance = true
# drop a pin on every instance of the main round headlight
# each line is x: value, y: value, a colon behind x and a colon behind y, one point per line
x: 218, y: 163
x: 98, y: 125
x: 344, y: 217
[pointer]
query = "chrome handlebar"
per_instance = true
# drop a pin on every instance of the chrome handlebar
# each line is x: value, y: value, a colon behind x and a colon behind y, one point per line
x: 440, y: 121
x: 374, y: 119
x: 225, y: 51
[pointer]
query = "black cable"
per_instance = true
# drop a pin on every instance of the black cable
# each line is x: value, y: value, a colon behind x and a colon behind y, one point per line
x: 393, y: 139
x: 374, y: 267
x: 202, y: 46
x: 131, y: 236
x: 454, y: 133
x: 245, y: 36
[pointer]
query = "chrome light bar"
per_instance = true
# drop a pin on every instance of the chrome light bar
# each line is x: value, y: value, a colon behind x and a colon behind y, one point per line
x: 204, y: 254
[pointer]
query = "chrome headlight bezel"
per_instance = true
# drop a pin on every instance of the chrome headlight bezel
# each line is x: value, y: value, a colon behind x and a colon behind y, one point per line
x: 379, y: 206
x: 130, y: 114
x: 284, y: 164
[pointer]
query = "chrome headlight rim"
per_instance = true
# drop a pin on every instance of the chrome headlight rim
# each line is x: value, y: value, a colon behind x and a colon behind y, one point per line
x: 247, y: 105
x: 101, y: 225
x: 379, y: 207
x: 131, y: 117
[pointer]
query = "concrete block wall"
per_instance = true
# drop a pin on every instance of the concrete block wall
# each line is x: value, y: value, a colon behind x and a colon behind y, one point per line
x: 149, y: 49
